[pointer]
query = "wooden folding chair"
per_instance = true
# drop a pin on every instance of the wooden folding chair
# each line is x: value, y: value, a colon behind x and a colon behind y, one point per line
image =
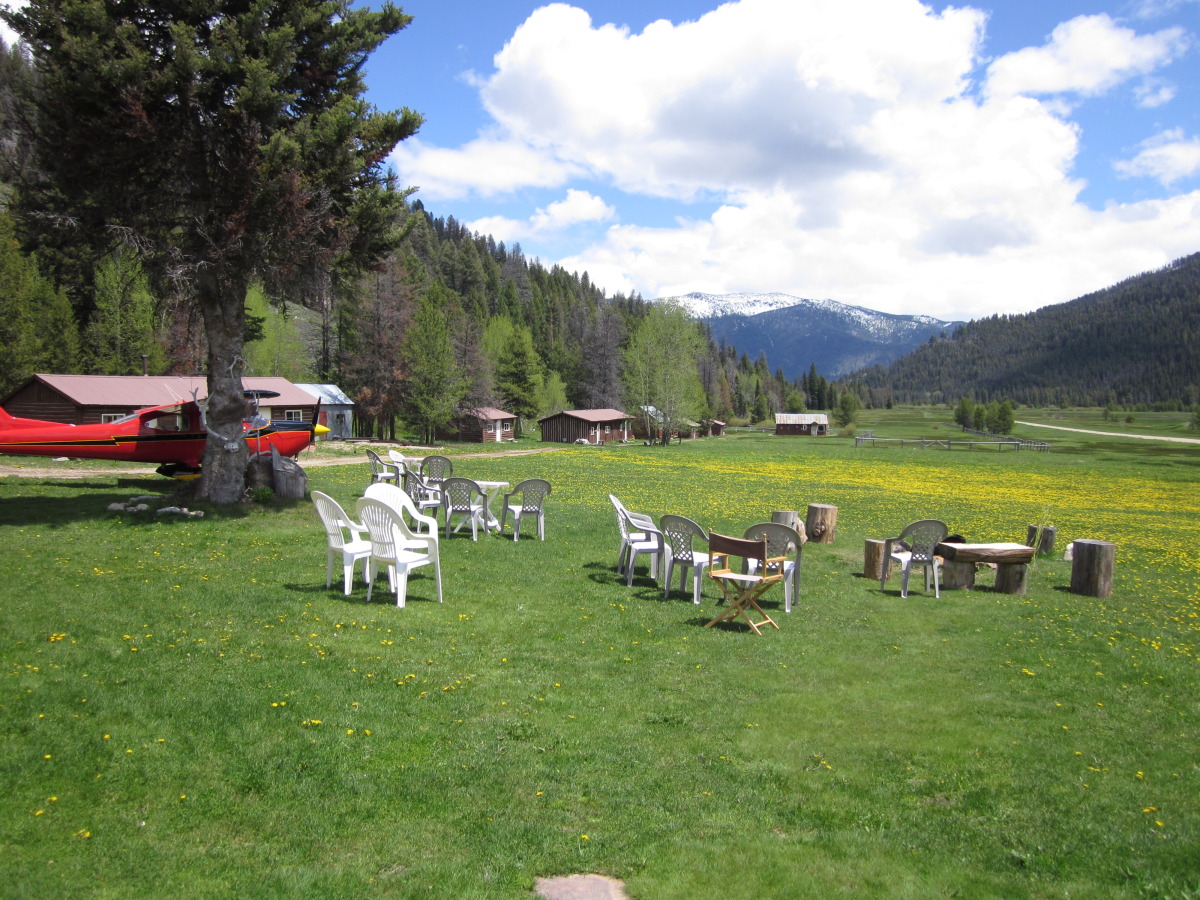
x: 743, y: 590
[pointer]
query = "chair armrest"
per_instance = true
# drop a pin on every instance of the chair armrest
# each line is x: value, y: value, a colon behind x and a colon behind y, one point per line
x: 429, y: 521
x: 641, y: 520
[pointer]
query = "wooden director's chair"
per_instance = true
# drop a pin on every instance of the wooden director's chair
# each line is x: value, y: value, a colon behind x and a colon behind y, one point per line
x: 743, y: 590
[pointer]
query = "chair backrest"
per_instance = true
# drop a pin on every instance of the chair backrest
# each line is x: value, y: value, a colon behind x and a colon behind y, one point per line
x: 723, y: 547
x: 393, y: 496
x: 397, y: 457
x: 923, y: 536
x: 436, y: 468
x: 333, y: 517
x: 534, y: 492
x: 382, y: 523
x: 415, y: 486
x: 782, y: 540
x: 680, y: 532
x: 627, y: 527
x: 377, y: 464
x: 459, y: 494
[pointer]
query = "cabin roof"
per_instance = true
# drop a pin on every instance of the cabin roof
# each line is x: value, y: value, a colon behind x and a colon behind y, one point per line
x: 590, y: 415
x: 140, y: 391
x: 801, y: 419
x: 328, y: 394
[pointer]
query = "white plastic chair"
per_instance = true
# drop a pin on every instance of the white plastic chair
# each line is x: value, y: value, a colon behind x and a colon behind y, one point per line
x: 462, y: 497
x: 382, y: 470
x: 532, y: 493
x: 916, y: 546
x: 344, y: 538
x: 647, y: 540
x: 680, y: 534
x: 423, y: 535
x: 631, y: 525
x: 389, y: 534
x: 422, y: 494
x: 781, y: 541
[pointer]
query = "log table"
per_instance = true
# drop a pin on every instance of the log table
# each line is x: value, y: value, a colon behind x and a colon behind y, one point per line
x: 1011, y: 560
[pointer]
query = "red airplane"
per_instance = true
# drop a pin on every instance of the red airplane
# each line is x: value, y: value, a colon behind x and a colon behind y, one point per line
x: 173, y: 435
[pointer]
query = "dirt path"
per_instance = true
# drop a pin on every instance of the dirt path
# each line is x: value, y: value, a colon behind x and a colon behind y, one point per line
x: 38, y: 469
x: 1144, y: 437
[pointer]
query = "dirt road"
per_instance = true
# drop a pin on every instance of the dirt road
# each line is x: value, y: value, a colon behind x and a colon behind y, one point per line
x: 1144, y: 437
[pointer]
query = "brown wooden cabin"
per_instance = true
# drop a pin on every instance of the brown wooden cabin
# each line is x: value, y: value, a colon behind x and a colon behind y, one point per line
x: 591, y: 426
x: 716, y: 428
x: 88, y: 399
x: 482, y: 425
x: 801, y: 423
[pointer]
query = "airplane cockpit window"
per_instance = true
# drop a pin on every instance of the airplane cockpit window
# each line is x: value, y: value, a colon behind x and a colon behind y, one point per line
x: 164, y: 420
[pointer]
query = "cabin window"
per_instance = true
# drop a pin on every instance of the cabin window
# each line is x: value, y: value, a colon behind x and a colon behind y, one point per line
x: 111, y: 417
x: 508, y: 426
x: 608, y: 429
x: 491, y: 428
x: 293, y: 415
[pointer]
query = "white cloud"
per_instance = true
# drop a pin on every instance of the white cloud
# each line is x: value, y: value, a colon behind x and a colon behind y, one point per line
x: 1154, y: 92
x: 574, y: 209
x: 485, y: 167
x: 1087, y: 55
x: 1167, y: 157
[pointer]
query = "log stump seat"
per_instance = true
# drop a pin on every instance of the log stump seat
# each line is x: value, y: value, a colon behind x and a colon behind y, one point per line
x: 1011, y: 561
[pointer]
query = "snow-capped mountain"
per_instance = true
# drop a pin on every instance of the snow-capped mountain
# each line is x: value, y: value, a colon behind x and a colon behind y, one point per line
x: 795, y: 332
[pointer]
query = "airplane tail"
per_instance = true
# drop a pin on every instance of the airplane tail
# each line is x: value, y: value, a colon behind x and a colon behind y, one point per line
x: 12, y: 423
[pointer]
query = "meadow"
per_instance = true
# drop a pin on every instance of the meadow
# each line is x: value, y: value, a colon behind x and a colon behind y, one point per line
x: 188, y: 711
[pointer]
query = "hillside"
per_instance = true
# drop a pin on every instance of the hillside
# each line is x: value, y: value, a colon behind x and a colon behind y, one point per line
x: 1133, y: 343
x: 794, y: 333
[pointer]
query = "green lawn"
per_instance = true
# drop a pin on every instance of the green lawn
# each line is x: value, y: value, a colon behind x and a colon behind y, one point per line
x: 189, y: 712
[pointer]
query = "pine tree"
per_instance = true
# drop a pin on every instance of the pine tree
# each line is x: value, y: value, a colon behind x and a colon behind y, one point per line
x: 434, y: 385
x: 229, y: 142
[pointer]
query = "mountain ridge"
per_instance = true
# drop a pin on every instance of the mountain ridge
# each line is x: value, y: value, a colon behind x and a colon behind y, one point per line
x: 796, y: 333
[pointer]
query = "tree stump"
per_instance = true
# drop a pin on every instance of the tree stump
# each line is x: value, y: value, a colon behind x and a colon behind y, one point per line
x: 1012, y: 578
x: 957, y: 575
x: 291, y: 481
x: 1041, y: 538
x: 1092, y: 568
x: 791, y: 519
x: 821, y: 523
x: 874, y: 562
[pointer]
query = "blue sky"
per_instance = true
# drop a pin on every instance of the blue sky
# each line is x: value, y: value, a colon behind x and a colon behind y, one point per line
x: 910, y: 158
x: 952, y: 161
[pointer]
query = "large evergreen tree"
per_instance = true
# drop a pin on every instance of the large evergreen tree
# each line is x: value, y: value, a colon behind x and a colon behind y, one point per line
x: 435, y: 384
x: 227, y: 141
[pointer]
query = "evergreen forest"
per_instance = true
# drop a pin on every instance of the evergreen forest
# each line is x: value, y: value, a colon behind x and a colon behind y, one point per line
x: 1131, y: 345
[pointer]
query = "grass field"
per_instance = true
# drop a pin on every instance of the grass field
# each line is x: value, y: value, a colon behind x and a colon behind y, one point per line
x: 187, y: 711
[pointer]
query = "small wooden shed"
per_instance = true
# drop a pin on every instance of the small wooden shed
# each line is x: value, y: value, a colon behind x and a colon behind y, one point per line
x: 591, y: 426
x: 337, y: 411
x: 716, y: 428
x: 88, y: 399
x: 480, y: 425
x: 801, y: 423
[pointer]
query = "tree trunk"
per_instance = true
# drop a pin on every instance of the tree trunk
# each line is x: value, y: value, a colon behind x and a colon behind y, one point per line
x: 874, y: 562
x: 821, y: 523
x: 958, y: 575
x: 1012, y: 578
x: 223, y: 304
x: 1044, y: 536
x: 1092, y: 568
